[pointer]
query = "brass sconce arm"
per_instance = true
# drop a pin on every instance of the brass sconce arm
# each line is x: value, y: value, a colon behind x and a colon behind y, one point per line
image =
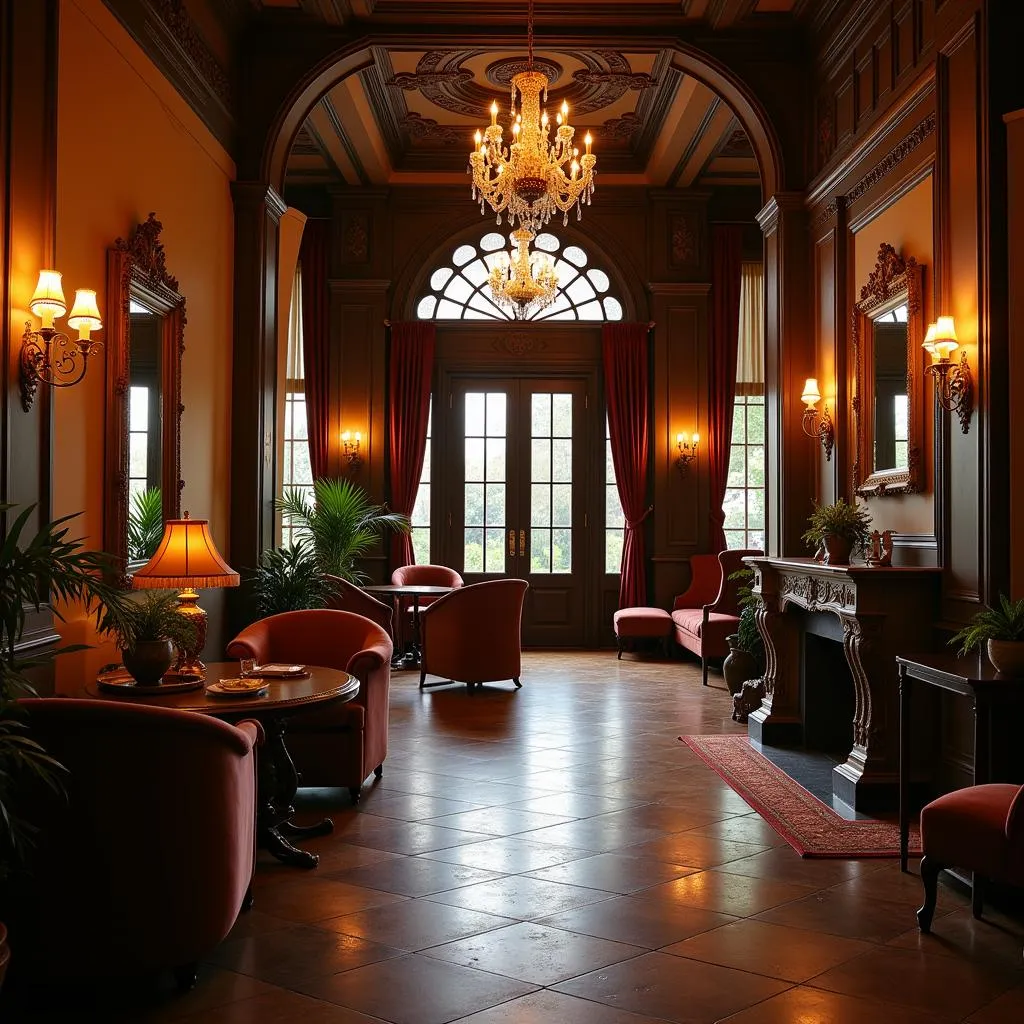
x: 50, y: 357
x: 350, y: 445
x: 687, y: 447
x: 822, y: 428
x: 954, y: 388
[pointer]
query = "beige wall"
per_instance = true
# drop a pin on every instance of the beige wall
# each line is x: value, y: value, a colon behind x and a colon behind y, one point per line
x: 907, y: 225
x: 127, y: 145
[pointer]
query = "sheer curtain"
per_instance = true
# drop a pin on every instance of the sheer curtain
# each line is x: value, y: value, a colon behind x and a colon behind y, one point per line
x: 316, y: 340
x: 750, y: 354
x: 726, y: 250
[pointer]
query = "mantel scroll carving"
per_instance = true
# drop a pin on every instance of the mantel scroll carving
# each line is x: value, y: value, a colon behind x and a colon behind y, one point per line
x: 816, y: 593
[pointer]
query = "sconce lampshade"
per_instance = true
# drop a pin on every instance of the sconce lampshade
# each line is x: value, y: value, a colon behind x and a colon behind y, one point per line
x: 929, y: 340
x: 48, y: 299
x: 186, y: 558
x: 945, y: 341
x: 85, y: 314
x: 811, y: 395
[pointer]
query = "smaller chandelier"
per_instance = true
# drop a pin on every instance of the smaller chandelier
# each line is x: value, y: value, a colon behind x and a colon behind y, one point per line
x: 533, y: 177
x: 523, y: 283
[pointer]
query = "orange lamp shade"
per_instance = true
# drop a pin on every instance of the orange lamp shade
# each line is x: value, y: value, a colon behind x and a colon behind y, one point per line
x: 187, y: 557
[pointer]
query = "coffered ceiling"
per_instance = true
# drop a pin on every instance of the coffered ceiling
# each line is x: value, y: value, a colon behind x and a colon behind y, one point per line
x: 410, y: 116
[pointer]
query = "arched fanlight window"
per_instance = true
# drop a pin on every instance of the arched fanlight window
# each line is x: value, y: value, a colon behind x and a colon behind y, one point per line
x: 459, y: 291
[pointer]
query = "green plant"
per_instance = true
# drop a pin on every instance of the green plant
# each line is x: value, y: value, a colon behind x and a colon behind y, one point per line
x: 46, y: 567
x: 145, y: 523
x: 289, y: 580
x: 747, y: 637
x: 1003, y: 623
x: 153, y: 616
x: 839, y: 519
x: 342, y: 523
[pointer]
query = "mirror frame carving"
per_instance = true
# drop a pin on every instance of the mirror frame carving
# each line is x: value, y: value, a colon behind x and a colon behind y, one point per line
x: 137, y: 268
x: 893, y: 281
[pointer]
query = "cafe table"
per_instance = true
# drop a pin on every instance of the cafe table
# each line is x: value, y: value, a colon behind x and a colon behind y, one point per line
x: 414, y: 591
x: 278, y: 779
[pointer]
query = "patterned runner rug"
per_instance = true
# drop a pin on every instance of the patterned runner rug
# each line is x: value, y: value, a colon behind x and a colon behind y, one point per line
x: 808, y: 825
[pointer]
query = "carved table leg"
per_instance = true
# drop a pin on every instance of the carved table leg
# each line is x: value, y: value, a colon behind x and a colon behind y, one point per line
x: 778, y: 718
x: 278, y: 784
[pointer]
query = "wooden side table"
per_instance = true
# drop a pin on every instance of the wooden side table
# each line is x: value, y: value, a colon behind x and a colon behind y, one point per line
x: 278, y: 779
x: 972, y: 677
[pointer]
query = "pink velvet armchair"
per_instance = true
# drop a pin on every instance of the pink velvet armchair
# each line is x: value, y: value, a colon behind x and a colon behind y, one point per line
x: 147, y: 862
x: 472, y: 635
x: 709, y: 610
x: 341, y: 744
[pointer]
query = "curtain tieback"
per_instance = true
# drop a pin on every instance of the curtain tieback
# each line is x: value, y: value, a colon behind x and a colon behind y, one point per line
x: 632, y: 524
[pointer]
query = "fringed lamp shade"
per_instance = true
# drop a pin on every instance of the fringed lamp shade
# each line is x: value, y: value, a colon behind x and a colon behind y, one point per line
x: 187, y: 559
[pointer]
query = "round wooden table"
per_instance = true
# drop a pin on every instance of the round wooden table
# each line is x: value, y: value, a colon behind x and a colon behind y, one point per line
x: 278, y: 780
x: 409, y: 658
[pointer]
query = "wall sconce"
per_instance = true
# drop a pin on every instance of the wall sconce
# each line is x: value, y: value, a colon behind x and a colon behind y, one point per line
x: 687, y: 451
x: 46, y: 354
x: 954, y: 386
x: 824, y: 429
x: 350, y: 448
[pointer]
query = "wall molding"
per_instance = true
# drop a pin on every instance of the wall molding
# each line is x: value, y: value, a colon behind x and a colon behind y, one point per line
x: 921, y: 131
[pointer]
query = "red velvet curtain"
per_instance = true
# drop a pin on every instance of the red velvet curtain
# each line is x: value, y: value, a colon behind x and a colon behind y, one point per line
x: 724, y: 328
x: 626, y: 388
x: 316, y: 340
x: 409, y: 372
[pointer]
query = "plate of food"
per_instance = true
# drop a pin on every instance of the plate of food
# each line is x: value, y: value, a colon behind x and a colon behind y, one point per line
x: 276, y: 671
x: 246, y: 686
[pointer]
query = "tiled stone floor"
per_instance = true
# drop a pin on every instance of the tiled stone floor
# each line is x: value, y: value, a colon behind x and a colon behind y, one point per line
x: 555, y: 855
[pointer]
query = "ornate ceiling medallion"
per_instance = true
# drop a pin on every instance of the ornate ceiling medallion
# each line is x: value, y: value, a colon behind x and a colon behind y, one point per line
x: 527, y: 181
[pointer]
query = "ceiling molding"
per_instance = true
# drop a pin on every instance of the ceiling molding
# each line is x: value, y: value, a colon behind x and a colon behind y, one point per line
x: 695, y: 140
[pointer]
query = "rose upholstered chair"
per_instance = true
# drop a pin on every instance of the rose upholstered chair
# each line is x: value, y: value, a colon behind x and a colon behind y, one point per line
x: 342, y: 743
x: 709, y: 610
x: 146, y: 863
x: 424, y: 576
x: 472, y: 635
x: 980, y: 829
x: 350, y: 598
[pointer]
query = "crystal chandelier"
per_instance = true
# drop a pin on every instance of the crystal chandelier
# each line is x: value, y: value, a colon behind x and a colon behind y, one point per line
x: 531, y: 179
x: 524, y: 282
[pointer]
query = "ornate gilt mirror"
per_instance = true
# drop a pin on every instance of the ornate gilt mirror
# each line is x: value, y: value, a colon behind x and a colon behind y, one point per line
x: 888, y: 405
x: 145, y: 341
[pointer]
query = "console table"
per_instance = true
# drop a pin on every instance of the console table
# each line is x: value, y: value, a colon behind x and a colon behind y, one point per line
x: 881, y: 612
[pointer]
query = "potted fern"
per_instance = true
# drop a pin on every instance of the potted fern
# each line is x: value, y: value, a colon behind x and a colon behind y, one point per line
x: 745, y: 659
x: 46, y: 566
x: 147, y: 631
x: 145, y: 524
x: 840, y: 529
x: 341, y: 522
x: 1002, y: 631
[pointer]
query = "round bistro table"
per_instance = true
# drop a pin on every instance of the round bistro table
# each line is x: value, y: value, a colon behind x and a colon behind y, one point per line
x: 278, y: 779
x: 411, y: 657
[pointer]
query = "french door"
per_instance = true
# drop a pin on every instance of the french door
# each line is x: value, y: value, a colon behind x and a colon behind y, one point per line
x: 517, y: 493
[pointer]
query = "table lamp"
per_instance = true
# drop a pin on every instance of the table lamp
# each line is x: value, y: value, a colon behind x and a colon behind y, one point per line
x: 187, y: 559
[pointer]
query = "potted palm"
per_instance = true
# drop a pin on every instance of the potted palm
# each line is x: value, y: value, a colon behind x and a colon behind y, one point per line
x: 341, y: 522
x: 840, y: 529
x: 289, y: 580
x: 145, y: 524
x: 46, y: 566
x: 147, y: 631
x: 1002, y: 631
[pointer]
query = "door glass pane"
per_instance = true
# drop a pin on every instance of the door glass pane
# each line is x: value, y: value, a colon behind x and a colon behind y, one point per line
x: 551, y: 502
x: 484, y: 508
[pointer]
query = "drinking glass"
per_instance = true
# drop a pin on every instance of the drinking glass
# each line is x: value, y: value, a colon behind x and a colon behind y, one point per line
x: 248, y: 667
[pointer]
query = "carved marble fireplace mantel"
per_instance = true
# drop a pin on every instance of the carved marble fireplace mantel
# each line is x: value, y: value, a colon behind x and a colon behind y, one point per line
x: 883, y: 612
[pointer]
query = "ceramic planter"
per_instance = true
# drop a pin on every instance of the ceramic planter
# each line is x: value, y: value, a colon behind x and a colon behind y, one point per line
x: 837, y: 550
x: 148, y: 660
x: 738, y: 667
x: 1007, y: 656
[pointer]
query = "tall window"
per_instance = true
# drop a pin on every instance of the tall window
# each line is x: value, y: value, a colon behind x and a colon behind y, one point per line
x: 138, y: 440
x: 551, y: 483
x: 614, y: 518
x: 297, y: 473
x: 420, y: 517
x: 744, y: 503
x: 460, y: 292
